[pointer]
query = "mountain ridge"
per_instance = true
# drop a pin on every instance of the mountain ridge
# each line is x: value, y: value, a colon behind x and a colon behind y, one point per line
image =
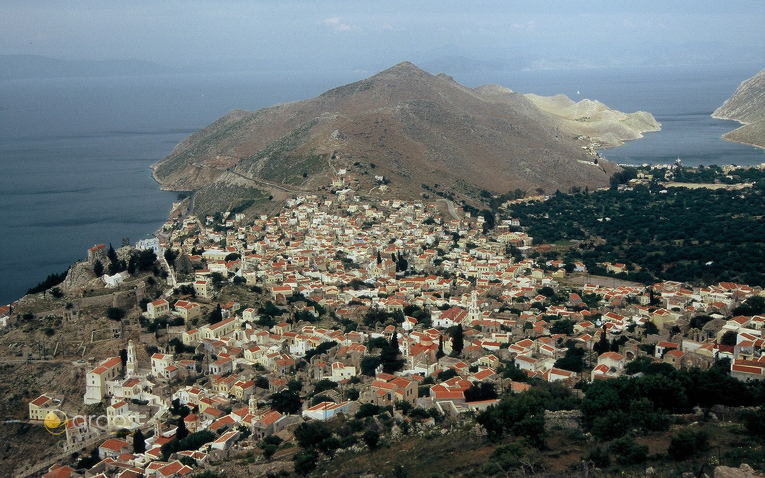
x: 405, y: 124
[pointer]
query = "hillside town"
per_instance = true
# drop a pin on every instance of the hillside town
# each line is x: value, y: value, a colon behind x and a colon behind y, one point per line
x: 335, y: 285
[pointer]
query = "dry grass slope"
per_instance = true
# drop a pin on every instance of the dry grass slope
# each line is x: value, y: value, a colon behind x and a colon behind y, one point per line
x: 416, y: 128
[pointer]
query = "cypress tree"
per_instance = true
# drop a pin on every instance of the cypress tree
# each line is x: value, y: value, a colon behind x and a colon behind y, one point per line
x: 458, y: 340
x: 389, y: 355
x: 139, y: 445
x: 440, y: 353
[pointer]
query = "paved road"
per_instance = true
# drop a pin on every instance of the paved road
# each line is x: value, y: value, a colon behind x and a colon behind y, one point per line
x: 450, y: 207
x: 263, y: 182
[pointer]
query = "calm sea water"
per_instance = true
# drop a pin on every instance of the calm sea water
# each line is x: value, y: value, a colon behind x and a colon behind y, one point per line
x: 680, y: 98
x: 75, y: 153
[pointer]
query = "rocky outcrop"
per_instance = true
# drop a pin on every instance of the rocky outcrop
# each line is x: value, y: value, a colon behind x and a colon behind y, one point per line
x: 747, y: 106
x: 79, y: 275
x: 744, y: 471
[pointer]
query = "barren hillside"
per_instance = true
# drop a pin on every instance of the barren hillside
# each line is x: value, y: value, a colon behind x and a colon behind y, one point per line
x: 747, y: 106
x: 405, y: 124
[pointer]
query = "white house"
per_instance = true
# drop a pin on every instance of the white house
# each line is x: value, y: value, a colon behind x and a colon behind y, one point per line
x: 157, y: 308
x: 326, y: 410
x: 341, y: 372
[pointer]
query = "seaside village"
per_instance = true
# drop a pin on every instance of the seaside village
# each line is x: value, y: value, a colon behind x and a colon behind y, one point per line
x: 461, y: 308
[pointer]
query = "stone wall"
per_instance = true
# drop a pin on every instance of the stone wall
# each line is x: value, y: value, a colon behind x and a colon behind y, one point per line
x: 123, y: 299
x: 563, y: 420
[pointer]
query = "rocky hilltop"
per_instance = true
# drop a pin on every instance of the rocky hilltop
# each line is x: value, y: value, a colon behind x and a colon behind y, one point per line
x: 747, y: 106
x: 406, y: 125
x: 607, y: 128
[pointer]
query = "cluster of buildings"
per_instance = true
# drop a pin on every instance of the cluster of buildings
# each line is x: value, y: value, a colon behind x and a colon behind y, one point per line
x: 350, y: 259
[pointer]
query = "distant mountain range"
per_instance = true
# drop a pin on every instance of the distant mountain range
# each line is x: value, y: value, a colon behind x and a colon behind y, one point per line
x: 34, y: 66
x: 747, y: 106
x: 421, y: 132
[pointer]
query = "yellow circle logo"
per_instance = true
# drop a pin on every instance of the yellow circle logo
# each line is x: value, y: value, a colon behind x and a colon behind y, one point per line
x: 56, y: 422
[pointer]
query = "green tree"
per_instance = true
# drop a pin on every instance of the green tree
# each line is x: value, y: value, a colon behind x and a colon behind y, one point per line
x: 377, y: 343
x: 181, y: 432
x: 599, y: 456
x: 639, y: 365
x: 369, y: 365
x: 440, y: 352
x: 320, y: 349
x: 445, y: 375
x: 562, y: 326
x: 286, y: 402
x: 458, y: 340
x: 729, y: 338
x: 573, y: 360
x: 519, y: 415
x: 480, y: 391
x: 367, y: 410
x: 139, y: 443
x: 628, y: 452
x: 111, y: 254
x: 262, y: 382
x: 217, y: 279
x: 171, y: 256
x: 754, y: 421
x: 371, y: 439
x: 98, y: 268
x: 272, y: 440
x: 512, y: 372
x: 645, y: 417
x: 603, y: 344
x: 374, y: 316
x: 754, y: 305
x: 507, y: 457
x: 146, y: 260
x: 310, y: 434
x: 329, y: 445
x: 216, y: 315
x: 324, y: 385
x: 687, y: 443
x: 306, y: 461
x: 390, y: 355
x: 115, y: 313
x: 295, y: 386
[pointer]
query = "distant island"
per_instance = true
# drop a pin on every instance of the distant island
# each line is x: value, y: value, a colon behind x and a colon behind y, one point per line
x: 747, y: 106
x: 17, y: 67
x: 418, y: 131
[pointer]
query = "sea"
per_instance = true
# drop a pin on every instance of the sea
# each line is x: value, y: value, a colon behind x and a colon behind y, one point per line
x: 75, y: 152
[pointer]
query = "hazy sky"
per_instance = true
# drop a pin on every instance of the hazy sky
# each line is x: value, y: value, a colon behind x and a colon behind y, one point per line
x: 362, y: 32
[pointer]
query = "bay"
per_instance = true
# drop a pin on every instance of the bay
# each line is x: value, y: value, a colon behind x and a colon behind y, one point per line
x: 682, y: 98
x: 75, y: 156
x: 75, y: 152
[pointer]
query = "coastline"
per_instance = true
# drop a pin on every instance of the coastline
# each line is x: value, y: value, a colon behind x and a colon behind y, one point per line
x: 36, y: 135
x: 743, y: 124
x: 762, y: 147
x: 727, y: 138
